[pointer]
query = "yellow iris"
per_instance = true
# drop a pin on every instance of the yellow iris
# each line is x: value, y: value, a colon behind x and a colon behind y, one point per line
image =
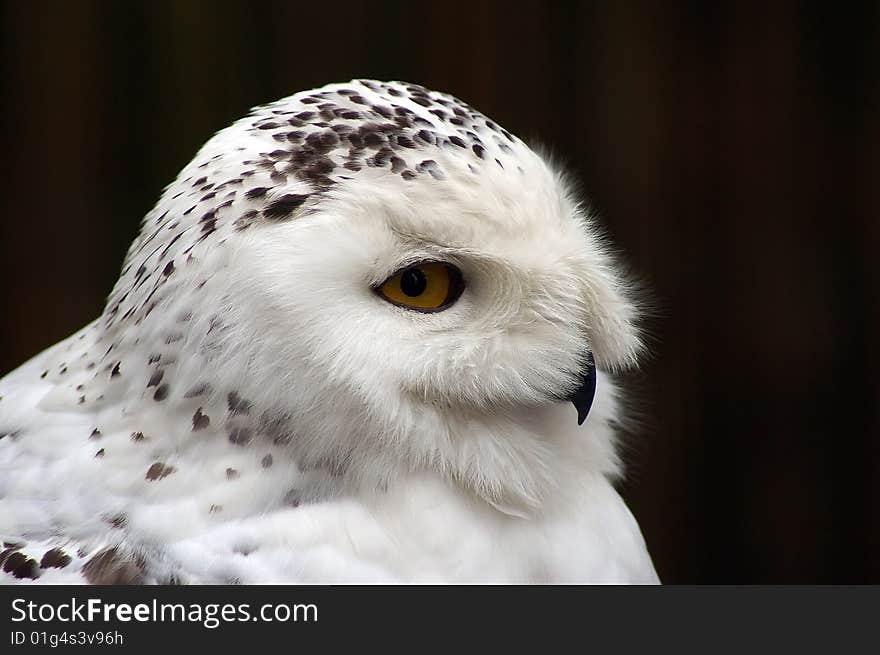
x: 426, y: 287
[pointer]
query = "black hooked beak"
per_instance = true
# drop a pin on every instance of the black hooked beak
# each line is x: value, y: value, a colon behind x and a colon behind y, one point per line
x: 582, y: 397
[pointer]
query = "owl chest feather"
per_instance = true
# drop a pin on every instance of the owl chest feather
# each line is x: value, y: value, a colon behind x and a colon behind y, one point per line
x: 129, y: 496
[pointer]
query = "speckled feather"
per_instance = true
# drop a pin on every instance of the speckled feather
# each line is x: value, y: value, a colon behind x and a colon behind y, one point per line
x: 211, y: 426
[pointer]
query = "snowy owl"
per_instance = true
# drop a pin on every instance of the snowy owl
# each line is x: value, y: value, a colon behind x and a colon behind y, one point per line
x: 343, y: 348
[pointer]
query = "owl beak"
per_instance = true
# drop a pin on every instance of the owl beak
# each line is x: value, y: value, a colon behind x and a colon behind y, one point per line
x: 582, y: 397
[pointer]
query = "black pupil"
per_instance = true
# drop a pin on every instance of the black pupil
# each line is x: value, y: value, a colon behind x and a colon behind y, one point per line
x: 413, y: 282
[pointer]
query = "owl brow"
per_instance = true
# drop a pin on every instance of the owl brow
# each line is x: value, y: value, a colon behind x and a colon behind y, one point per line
x: 427, y: 241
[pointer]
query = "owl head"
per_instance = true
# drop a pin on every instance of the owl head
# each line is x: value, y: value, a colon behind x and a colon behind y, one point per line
x: 389, y: 282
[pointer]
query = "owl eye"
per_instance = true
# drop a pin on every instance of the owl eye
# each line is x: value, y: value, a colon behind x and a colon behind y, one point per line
x: 424, y: 287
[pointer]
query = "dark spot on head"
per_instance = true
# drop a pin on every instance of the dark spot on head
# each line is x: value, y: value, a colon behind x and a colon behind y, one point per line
x: 161, y: 392
x: 373, y: 139
x: 284, y: 206
x: 55, y: 559
x: 275, y: 425
x: 322, y: 142
x: 158, y: 471
x: 169, y: 268
x: 137, y: 436
x: 117, y: 521
x: 100, y: 453
x: 237, y: 405
x: 96, y: 434
x: 266, y: 462
x: 9, y: 549
x: 397, y: 165
x: 198, y: 390
x: 231, y: 474
x: 111, y: 567
x: 356, y: 140
x: 21, y: 566
x: 240, y: 436
x: 382, y: 157
x: 430, y: 166
x: 156, y: 378
x: 200, y: 421
x: 478, y: 150
x: 115, y: 370
x: 256, y: 192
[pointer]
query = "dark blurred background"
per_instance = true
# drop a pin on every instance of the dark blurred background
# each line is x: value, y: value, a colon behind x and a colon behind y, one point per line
x: 731, y: 149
